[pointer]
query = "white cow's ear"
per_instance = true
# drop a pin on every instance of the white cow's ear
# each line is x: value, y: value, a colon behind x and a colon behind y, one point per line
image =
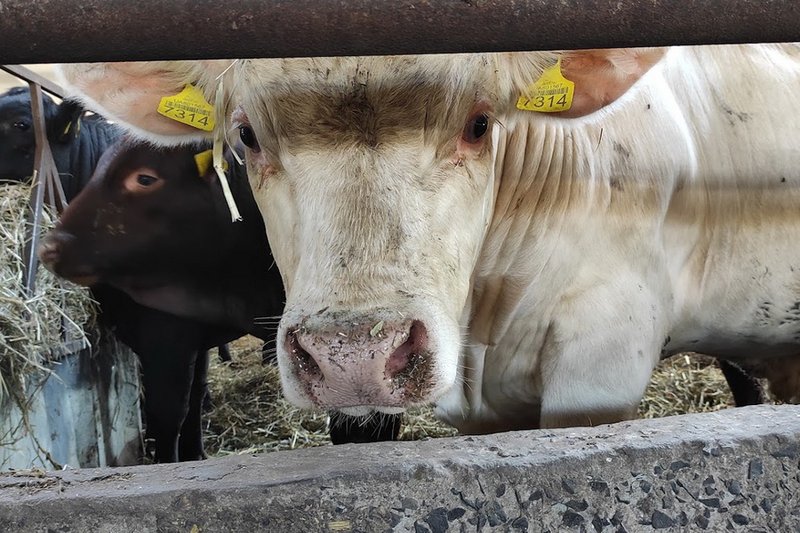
x: 130, y: 93
x: 600, y: 76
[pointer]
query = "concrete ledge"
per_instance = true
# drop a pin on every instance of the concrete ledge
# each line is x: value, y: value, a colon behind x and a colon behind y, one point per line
x: 737, y: 469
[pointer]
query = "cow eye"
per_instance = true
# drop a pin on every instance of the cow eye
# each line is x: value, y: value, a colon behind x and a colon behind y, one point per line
x: 145, y: 181
x: 21, y: 125
x: 248, y: 137
x: 142, y: 180
x: 476, y: 128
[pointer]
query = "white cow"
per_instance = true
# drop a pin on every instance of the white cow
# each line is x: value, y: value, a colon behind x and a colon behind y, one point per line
x: 520, y: 269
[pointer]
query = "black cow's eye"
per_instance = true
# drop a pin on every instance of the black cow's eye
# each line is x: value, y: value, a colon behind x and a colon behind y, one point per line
x: 21, y: 125
x: 248, y: 137
x: 145, y: 180
x: 476, y: 128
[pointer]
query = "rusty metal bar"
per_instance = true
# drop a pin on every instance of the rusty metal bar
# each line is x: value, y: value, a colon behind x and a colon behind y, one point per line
x: 36, y: 203
x: 60, y: 202
x: 30, y: 76
x: 45, y: 173
x: 55, y: 190
x: 45, y: 179
x: 34, y: 31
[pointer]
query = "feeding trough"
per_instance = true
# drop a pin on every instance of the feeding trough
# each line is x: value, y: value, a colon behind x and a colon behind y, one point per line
x: 69, y: 393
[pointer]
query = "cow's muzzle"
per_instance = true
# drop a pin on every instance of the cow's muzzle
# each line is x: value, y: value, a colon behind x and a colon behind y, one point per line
x: 52, y: 254
x: 361, y: 361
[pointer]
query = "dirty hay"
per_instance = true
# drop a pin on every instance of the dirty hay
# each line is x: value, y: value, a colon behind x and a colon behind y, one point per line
x: 31, y: 327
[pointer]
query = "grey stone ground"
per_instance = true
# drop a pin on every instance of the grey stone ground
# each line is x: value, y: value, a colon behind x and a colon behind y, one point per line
x: 734, y: 470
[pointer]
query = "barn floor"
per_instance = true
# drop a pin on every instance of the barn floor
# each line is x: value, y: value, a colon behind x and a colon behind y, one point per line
x: 249, y: 415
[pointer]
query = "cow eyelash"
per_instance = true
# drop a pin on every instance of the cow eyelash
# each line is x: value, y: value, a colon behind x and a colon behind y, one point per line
x: 141, y: 181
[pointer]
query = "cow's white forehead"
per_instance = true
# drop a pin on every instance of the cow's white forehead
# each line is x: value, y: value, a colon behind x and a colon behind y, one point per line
x: 375, y: 101
x: 362, y: 100
x: 336, y: 71
x: 445, y: 80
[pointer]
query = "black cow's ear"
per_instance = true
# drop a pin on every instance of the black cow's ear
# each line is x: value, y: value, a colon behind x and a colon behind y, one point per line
x: 204, y: 161
x: 66, y: 121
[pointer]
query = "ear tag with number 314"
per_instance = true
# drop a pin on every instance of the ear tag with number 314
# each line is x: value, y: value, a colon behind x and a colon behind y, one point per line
x: 551, y: 93
x: 189, y: 107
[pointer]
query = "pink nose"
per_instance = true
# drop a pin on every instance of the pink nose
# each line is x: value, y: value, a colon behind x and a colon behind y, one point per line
x: 362, y: 362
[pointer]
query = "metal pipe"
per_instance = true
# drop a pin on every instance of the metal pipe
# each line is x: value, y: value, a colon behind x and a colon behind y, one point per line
x: 32, y: 77
x: 35, y: 205
x: 36, y: 31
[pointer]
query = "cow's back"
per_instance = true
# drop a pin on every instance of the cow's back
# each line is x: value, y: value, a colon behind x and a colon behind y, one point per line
x: 731, y: 229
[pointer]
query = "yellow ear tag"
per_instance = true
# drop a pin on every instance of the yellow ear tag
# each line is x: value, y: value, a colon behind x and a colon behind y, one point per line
x: 189, y: 107
x: 204, y: 160
x: 551, y: 93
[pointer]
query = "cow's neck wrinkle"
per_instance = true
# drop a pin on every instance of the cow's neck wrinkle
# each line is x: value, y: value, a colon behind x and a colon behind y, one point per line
x: 541, y: 180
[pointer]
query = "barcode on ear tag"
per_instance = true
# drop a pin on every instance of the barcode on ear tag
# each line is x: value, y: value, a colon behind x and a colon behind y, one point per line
x: 551, y: 93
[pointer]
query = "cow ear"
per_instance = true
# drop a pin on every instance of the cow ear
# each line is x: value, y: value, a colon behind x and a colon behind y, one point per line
x: 232, y: 164
x: 131, y: 93
x: 600, y: 76
x: 64, y: 123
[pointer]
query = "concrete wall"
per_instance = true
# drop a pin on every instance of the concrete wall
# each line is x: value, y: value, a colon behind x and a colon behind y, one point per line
x: 734, y: 470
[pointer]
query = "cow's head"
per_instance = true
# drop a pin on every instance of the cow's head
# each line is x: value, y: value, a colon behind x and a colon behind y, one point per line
x: 17, y: 141
x: 376, y: 180
x: 145, y: 214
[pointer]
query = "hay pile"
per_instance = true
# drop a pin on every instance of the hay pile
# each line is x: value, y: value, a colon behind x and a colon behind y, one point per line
x: 249, y: 415
x: 31, y: 327
x: 248, y: 411
x: 685, y: 383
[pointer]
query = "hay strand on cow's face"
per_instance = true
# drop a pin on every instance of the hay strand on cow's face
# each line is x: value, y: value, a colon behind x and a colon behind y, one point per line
x: 32, y: 327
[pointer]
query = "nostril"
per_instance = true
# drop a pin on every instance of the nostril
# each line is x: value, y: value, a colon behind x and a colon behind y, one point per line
x: 48, y: 250
x: 405, y: 359
x: 303, y: 361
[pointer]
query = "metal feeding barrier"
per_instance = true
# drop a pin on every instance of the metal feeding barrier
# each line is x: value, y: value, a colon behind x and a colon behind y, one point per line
x: 44, y: 31
x: 45, y: 174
